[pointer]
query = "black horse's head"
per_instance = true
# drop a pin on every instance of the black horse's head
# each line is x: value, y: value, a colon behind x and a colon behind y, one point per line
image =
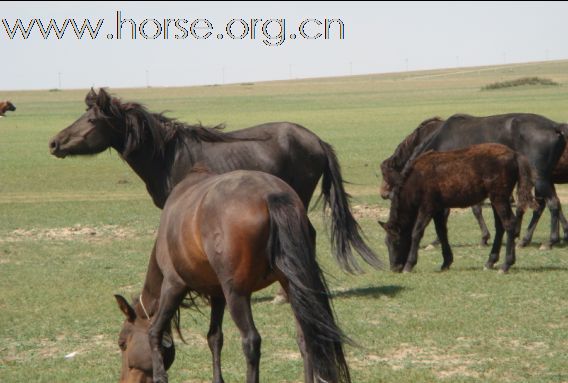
x: 135, y: 346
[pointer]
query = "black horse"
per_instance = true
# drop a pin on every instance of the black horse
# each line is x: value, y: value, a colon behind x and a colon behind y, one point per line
x: 162, y: 151
x: 541, y: 140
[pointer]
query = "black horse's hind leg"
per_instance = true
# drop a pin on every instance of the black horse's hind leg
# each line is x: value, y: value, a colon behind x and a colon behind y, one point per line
x: 417, y: 233
x: 505, y: 215
x: 478, y: 213
x: 440, y: 221
x: 546, y: 190
x: 564, y: 224
x: 171, y: 297
x: 532, y: 225
x: 215, y: 336
x: 497, y: 240
x: 239, y: 307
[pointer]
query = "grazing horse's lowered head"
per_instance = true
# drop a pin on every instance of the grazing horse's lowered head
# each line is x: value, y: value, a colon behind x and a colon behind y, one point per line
x: 6, y: 106
x: 135, y: 345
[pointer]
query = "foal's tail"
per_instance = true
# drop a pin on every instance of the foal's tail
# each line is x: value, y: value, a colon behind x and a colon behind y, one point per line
x: 292, y: 252
x: 526, y: 183
x: 345, y: 232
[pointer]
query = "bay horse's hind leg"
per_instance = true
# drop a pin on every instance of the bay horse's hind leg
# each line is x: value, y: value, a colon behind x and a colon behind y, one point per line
x: 308, y: 368
x: 240, y: 309
x: 478, y: 213
x: 215, y: 336
x: 497, y: 240
x: 440, y: 222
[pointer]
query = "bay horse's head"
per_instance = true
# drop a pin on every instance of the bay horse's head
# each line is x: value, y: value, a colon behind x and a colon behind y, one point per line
x: 91, y: 133
x: 135, y: 346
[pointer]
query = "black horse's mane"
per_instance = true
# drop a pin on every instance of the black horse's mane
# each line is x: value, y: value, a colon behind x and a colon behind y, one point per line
x: 143, y: 126
x: 405, y: 149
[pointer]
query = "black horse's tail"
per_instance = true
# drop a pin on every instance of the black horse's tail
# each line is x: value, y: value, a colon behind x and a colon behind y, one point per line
x: 292, y: 252
x: 345, y: 231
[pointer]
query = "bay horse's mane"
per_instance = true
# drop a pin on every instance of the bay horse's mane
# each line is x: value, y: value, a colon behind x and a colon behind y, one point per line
x: 140, y: 123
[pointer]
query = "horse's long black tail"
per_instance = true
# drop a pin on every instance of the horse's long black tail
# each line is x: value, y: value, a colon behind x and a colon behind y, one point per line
x: 293, y: 253
x: 345, y: 231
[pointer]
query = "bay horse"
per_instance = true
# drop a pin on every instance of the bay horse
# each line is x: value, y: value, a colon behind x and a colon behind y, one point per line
x: 541, y: 140
x: 6, y: 106
x: 162, y: 150
x: 224, y: 237
x: 393, y: 166
x: 457, y: 178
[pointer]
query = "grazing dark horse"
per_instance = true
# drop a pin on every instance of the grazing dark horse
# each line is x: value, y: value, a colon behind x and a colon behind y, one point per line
x: 162, y: 151
x: 6, y: 106
x: 224, y: 237
x: 541, y: 140
x: 457, y: 178
x: 393, y: 166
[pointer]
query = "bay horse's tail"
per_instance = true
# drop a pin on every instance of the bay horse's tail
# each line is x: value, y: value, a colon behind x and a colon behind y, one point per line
x: 292, y: 251
x: 345, y: 231
x: 526, y: 183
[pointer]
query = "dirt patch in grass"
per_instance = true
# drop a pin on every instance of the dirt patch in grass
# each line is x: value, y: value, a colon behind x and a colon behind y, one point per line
x: 369, y: 211
x: 443, y: 363
x: 77, y: 232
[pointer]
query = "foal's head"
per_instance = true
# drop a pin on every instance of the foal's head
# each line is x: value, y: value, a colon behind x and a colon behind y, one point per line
x: 135, y: 346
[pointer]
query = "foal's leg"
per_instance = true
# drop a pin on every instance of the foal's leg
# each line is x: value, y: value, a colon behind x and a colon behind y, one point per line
x: 564, y: 224
x: 478, y: 213
x: 442, y: 231
x: 436, y: 242
x: 497, y: 241
x: 239, y: 306
x: 171, y: 297
x: 507, y: 218
x: 215, y: 336
x: 417, y: 233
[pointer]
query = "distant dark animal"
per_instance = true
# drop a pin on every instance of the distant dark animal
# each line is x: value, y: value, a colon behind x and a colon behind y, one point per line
x: 392, y: 167
x: 162, y: 151
x: 6, y: 106
x: 457, y: 178
x: 224, y: 237
x: 541, y: 140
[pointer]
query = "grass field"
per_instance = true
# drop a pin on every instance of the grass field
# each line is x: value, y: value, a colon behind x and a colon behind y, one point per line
x: 74, y: 232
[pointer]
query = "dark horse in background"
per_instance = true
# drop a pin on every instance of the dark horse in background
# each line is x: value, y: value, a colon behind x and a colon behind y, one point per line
x: 436, y: 181
x: 162, y: 151
x: 541, y: 140
x: 392, y: 166
x: 6, y: 106
x: 224, y: 237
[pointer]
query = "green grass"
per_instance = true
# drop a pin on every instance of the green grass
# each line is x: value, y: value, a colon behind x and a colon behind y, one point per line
x: 74, y: 232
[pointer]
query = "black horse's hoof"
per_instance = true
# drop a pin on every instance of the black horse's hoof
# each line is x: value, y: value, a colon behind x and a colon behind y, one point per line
x: 445, y: 268
x: 407, y: 269
x: 397, y: 268
x: 489, y: 266
x: 524, y: 242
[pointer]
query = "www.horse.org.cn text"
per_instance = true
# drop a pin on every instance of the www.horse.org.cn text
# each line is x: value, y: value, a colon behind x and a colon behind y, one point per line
x: 271, y: 32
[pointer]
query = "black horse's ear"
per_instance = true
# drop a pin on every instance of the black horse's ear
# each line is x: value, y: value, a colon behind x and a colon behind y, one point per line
x: 91, y: 98
x: 125, y: 307
x: 103, y: 99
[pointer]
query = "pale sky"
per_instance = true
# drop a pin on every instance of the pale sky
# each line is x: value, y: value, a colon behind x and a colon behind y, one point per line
x: 378, y: 38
